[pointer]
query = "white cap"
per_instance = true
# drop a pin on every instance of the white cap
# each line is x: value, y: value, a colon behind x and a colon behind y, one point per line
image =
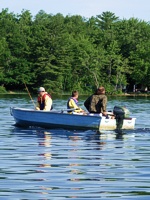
x: 41, y: 89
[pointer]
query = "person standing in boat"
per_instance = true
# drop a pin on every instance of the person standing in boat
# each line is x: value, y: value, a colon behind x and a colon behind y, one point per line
x: 44, y: 101
x: 73, y: 103
x: 97, y: 102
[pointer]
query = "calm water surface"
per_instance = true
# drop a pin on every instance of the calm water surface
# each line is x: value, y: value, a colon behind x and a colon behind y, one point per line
x: 59, y: 164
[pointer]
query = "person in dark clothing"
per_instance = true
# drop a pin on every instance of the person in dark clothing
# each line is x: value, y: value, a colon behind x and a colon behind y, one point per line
x: 97, y: 102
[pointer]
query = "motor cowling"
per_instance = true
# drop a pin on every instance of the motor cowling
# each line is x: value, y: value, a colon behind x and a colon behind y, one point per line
x: 122, y: 111
x: 120, y: 114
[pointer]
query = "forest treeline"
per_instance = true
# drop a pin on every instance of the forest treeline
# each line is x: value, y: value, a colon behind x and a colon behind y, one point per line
x: 72, y: 52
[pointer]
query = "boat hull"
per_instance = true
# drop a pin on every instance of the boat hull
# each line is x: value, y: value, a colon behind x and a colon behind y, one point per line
x: 52, y: 119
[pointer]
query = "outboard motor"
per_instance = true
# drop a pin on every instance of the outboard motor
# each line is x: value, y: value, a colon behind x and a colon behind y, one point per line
x: 120, y: 114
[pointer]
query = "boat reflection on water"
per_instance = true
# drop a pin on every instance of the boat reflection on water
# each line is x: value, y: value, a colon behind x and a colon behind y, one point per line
x: 45, y: 135
x: 48, y: 138
x: 46, y: 142
x: 61, y: 157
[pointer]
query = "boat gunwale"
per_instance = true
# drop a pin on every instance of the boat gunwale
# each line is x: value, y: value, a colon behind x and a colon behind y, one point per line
x: 62, y: 112
x: 52, y: 112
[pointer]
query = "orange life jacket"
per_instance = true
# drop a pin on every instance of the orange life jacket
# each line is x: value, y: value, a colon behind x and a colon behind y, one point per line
x: 41, y: 101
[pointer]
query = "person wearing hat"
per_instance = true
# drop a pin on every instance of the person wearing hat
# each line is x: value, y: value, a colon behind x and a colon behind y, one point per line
x: 97, y: 102
x: 44, y: 101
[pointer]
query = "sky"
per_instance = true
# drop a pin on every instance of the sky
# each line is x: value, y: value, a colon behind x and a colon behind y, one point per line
x: 121, y: 8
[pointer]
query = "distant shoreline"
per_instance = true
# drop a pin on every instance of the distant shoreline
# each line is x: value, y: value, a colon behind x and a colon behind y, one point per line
x: 121, y: 95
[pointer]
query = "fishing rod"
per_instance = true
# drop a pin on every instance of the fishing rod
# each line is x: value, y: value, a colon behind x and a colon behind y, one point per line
x: 29, y: 94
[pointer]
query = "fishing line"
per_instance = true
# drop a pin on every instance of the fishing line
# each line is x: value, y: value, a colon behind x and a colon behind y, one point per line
x: 29, y: 94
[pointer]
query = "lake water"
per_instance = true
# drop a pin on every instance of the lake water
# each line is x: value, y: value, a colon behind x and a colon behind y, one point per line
x: 61, y: 164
